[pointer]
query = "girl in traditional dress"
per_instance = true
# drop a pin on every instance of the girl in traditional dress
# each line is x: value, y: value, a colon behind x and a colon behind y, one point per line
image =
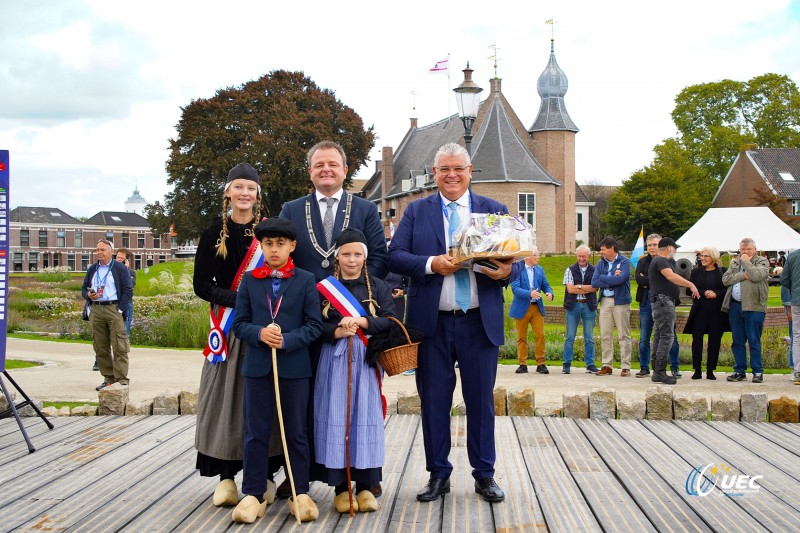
x: 340, y: 333
x: 223, y: 249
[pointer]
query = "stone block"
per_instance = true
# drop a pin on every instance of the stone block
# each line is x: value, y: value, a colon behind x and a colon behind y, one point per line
x: 459, y: 410
x: 549, y: 409
x: 784, y: 409
x: 4, y: 402
x: 522, y: 403
x: 725, y: 408
x: 187, y: 402
x: 754, y: 406
x: 166, y: 403
x: 50, y: 411
x: 500, y: 394
x: 576, y: 404
x: 631, y: 408
x: 113, y: 400
x: 28, y: 410
x: 603, y: 403
x: 84, y: 410
x: 690, y: 406
x: 391, y: 407
x: 658, y: 402
x: 408, y: 403
x: 139, y: 408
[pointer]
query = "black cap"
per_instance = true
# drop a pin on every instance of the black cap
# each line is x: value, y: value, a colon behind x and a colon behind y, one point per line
x: 350, y: 235
x: 276, y: 227
x: 666, y: 241
x: 243, y: 171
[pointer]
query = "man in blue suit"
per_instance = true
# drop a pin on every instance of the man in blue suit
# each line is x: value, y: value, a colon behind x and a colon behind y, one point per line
x: 443, y: 301
x: 322, y: 215
x: 530, y: 289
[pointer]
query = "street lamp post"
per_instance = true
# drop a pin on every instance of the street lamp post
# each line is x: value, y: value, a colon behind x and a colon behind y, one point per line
x: 468, y: 98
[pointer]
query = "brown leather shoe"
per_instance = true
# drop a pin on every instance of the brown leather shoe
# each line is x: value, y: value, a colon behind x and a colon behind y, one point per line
x: 376, y: 490
x: 626, y: 373
x: 605, y: 371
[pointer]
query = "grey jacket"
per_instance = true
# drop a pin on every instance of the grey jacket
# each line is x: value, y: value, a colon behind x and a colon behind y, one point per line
x: 754, y: 290
x: 790, y: 279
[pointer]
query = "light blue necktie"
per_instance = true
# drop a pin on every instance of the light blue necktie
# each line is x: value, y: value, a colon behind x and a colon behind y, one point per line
x: 461, y: 275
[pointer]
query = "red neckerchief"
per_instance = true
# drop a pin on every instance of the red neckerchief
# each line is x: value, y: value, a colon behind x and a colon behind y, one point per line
x: 285, y: 271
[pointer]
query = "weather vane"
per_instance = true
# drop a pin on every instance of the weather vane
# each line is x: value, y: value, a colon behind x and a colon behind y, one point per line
x: 552, y: 24
x: 493, y: 57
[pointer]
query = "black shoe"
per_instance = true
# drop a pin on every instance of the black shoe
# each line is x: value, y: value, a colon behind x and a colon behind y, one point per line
x: 284, y: 490
x: 697, y: 374
x: 663, y: 377
x: 710, y: 375
x: 96, y: 367
x: 523, y: 369
x: 489, y: 490
x: 591, y: 369
x: 542, y: 369
x: 434, y: 489
x: 102, y: 386
x: 642, y: 373
x: 736, y: 376
x: 758, y: 378
x: 676, y: 373
x: 566, y: 368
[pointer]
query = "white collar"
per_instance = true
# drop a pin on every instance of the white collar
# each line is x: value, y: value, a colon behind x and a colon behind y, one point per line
x: 463, y: 201
x: 337, y: 195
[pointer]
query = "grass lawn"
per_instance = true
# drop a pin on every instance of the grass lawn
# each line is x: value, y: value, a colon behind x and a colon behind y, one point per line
x: 12, y: 364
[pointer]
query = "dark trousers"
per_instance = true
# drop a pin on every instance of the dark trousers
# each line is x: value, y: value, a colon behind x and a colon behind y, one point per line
x: 462, y: 339
x: 714, y: 339
x: 664, y: 325
x: 259, y: 405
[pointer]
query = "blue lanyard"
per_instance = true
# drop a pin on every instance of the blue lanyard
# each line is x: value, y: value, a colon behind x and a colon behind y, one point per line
x: 97, y: 275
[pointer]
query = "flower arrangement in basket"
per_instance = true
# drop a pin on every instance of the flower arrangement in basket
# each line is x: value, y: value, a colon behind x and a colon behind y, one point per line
x: 494, y: 236
x: 400, y: 358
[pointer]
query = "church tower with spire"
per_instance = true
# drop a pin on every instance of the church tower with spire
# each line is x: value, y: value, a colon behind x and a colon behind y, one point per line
x: 553, y: 138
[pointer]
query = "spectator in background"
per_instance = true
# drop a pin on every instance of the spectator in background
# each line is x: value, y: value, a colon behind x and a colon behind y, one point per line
x: 790, y: 280
x: 123, y: 256
x: 706, y: 316
x: 786, y: 300
x: 580, y: 304
x: 746, y: 304
x: 612, y: 276
x: 398, y: 283
x: 527, y: 308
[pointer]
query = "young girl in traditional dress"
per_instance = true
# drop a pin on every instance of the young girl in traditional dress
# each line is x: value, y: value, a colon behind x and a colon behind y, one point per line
x: 223, y: 249
x: 344, y: 338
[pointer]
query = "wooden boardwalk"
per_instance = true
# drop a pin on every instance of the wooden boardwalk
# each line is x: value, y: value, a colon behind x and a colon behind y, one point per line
x: 137, y: 474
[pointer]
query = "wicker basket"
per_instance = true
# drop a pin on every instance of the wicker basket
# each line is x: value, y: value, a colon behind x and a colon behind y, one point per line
x: 400, y: 358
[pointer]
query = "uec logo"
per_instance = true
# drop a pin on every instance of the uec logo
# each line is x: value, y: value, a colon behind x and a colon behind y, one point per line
x: 702, y: 480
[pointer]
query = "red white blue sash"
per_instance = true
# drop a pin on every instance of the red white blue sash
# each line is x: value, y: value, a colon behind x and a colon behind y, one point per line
x: 342, y: 300
x: 217, y: 349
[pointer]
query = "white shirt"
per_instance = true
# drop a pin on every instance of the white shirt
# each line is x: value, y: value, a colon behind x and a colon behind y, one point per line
x: 447, y: 300
x: 323, y: 206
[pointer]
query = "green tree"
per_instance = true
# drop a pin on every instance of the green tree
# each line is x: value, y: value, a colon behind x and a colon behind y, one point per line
x: 270, y: 123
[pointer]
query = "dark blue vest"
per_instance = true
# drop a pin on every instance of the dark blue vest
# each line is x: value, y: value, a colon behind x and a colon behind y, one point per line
x: 578, y: 279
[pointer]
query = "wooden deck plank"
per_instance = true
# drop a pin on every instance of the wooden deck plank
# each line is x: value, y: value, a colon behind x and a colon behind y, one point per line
x: 91, y: 442
x: 463, y: 511
x: 560, y: 504
x: 775, y: 433
x: 104, y: 478
x: 45, y: 440
x: 748, y: 460
x: 720, y: 514
x: 661, y: 507
x: 792, y: 428
x: 10, y: 434
x: 609, y: 501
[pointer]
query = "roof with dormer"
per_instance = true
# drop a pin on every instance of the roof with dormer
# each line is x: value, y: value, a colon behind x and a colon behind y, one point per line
x: 118, y: 218
x: 552, y: 86
x: 51, y: 216
x: 780, y: 168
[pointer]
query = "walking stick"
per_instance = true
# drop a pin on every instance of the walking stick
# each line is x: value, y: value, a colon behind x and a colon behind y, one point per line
x: 347, y: 422
x: 280, y: 423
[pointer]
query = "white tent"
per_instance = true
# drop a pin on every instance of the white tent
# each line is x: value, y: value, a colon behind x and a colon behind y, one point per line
x: 724, y: 227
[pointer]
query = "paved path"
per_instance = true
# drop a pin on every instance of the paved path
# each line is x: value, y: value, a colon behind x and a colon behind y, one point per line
x: 67, y: 375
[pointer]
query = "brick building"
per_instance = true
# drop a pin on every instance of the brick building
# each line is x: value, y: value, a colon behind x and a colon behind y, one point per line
x: 43, y: 237
x: 532, y: 170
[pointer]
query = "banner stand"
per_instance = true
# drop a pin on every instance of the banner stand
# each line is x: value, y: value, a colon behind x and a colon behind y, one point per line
x: 13, y: 409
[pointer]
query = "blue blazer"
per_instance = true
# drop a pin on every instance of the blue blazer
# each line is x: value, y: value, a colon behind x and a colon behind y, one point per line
x: 363, y: 217
x: 419, y: 236
x: 299, y: 318
x: 522, y: 291
x: 604, y: 278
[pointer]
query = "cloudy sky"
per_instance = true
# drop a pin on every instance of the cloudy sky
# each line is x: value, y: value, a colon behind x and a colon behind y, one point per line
x: 90, y: 91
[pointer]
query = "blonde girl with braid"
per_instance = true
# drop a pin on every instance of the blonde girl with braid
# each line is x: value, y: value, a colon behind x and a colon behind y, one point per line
x: 330, y: 390
x: 222, y: 249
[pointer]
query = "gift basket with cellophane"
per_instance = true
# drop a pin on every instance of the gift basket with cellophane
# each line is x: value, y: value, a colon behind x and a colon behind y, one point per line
x: 493, y: 236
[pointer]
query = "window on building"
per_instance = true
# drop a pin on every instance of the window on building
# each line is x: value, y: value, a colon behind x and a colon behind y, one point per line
x: 527, y: 207
x: 45, y: 260
x: 61, y: 239
x: 71, y: 262
x: 137, y: 261
x: 140, y: 240
x: 17, y: 261
x: 56, y: 259
x: 126, y: 239
x: 579, y: 222
x: 796, y: 207
x: 78, y: 238
x: 156, y: 241
x: 162, y: 258
x: 42, y: 238
x: 24, y: 239
x: 84, y: 262
x: 110, y: 237
x: 149, y: 260
x: 33, y: 261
